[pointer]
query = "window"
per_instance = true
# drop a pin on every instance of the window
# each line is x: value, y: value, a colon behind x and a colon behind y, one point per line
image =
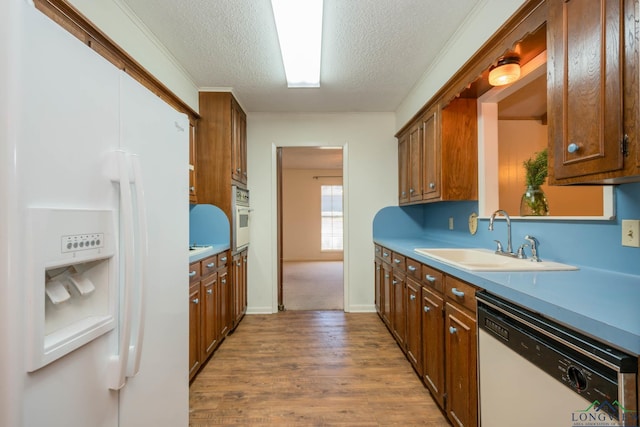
x: 331, y: 211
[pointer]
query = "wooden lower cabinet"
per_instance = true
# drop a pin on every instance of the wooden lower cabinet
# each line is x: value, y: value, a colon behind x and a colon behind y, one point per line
x: 414, y: 323
x: 433, y: 343
x: 432, y: 317
x: 239, y: 288
x: 194, y: 329
x: 209, y: 308
x: 460, y: 367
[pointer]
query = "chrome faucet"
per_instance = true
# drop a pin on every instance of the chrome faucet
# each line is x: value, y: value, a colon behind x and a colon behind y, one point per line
x: 508, y: 219
x: 534, y: 247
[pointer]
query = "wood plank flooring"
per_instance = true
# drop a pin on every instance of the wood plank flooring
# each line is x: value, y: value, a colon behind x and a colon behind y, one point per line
x: 311, y: 368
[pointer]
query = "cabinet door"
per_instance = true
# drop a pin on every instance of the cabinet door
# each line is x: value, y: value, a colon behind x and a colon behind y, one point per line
x: 398, y: 316
x: 209, y: 332
x: 377, y: 265
x: 194, y: 329
x: 238, y: 143
x: 403, y: 169
x: 239, y: 286
x: 585, y: 87
x: 224, y: 303
x: 433, y: 343
x: 415, y: 163
x: 192, y: 162
x: 414, y: 324
x: 387, y: 294
x: 431, y: 154
x: 461, y: 371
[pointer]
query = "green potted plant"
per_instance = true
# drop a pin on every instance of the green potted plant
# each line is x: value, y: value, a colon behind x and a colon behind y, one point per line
x: 534, y: 201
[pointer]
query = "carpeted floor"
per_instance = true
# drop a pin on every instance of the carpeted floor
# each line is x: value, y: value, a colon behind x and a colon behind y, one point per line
x: 313, y: 285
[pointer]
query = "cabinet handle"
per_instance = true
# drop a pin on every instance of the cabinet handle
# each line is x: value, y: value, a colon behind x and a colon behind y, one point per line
x: 457, y: 292
x: 238, y: 263
x: 452, y: 330
x: 209, y: 291
x: 238, y: 170
x: 412, y: 297
x: 385, y: 254
x: 426, y: 309
x: 432, y: 185
x: 224, y: 281
x: 404, y: 193
x: 192, y: 273
x: 396, y: 260
x: 430, y: 278
x: 411, y: 190
x: 211, y: 265
x: 394, y: 282
x: 192, y: 189
x: 244, y: 173
x: 195, y: 300
x: 573, y: 147
x: 411, y: 268
x: 223, y: 259
x: 377, y: 250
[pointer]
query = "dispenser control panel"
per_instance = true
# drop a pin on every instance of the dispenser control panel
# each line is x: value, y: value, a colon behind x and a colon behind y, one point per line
x: 82, y: 242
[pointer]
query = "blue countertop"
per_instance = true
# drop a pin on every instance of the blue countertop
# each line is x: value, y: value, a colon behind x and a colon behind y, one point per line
x: 214, y: 249
x: 602, y: 304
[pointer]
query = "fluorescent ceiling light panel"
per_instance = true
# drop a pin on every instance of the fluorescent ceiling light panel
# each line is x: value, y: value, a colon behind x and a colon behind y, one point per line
x: 299, y: 24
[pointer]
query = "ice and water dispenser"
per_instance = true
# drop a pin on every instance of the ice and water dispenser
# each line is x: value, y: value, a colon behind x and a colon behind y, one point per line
x: 72, y: 283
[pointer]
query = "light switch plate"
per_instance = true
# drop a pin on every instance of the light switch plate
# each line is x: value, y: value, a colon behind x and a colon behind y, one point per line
x: 631, y: 232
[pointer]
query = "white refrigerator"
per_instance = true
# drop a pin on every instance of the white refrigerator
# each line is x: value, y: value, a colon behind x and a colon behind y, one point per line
x: 93, y: 237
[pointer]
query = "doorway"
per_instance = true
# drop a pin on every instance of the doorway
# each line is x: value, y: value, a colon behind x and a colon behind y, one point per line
x: 310, y: 228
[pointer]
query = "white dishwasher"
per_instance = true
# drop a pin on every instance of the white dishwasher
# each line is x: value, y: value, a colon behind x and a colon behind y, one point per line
x: 534, y: 372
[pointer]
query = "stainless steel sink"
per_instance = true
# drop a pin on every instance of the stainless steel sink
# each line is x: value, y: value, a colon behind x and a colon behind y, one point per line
x: 486, y: 260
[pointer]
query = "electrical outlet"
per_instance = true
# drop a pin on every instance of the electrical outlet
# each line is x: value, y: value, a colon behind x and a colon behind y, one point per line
x: 450, y: 223
x: 631, y: 232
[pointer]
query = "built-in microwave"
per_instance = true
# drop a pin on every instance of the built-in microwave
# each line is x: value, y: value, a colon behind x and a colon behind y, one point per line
x: 239, y: 218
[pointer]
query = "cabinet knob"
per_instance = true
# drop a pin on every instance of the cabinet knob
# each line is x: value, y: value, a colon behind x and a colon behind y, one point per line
x: 396, y: 260
x: 244, y: 173
x: 404, y: 193
x: 224, y: 281
x: 457, y: 292
x: 394, y: 282
x: 411, y: 268
x: 192, y: 188
x: 411, y: 190
x: 210, y: 291
x: 452, y: 330
x: 238, y: 170
x: 386, y: 276
x: 192, y: 273
x: 432, y: 185
x: 211, y: 265
x: 572, y: 148
x: 412, y: 297
x: 195, y: 300
x: 223, y: 259
x: 426, y: 309
x: 430, y: 278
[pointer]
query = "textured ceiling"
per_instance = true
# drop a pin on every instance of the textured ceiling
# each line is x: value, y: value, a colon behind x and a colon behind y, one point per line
x: 373, y: 51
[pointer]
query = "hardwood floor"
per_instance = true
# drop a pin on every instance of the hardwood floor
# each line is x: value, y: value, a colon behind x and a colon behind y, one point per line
x: 311, y: 368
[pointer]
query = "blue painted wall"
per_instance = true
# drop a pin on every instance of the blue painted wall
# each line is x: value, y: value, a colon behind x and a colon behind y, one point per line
x: 596, y: 244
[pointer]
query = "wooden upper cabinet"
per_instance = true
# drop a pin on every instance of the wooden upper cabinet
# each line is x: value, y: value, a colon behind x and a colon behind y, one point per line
x: 438, y: 154
x: 192, y: 162
x: 238, y: 143
x: 585, y: 86
x: 415, y: 163
x: 403, y: 168
x: 430, y: 153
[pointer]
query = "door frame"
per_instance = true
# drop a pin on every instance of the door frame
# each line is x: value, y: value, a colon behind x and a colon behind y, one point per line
x: 276, y: 191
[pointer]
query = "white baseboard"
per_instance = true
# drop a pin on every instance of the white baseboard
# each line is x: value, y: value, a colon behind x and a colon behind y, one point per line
x: 259, y: 310
x: 363, y: 308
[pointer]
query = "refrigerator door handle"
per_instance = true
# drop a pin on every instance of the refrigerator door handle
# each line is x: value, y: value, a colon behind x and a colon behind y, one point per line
x: 135, y: 348
x: 119, y: 362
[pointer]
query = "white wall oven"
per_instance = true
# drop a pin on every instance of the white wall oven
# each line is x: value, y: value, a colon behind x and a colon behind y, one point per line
x: 239, y: 218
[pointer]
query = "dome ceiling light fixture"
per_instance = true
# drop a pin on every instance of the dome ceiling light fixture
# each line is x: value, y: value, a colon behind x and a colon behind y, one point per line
x: 506, y: 71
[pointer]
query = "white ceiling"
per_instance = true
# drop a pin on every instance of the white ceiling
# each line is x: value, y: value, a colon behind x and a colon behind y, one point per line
x: 373, y: 51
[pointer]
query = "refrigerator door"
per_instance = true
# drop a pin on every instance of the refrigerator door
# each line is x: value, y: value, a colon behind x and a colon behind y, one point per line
x: 66, y: 119
x: 158, y: 394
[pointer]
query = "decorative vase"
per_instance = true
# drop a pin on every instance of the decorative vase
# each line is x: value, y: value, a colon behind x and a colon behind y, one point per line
x: 534, y: 202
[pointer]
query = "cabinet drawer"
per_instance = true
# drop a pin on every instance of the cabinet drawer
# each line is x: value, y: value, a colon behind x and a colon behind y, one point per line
x: 386, y: 255
x: 377, y: 251
x: 208, y: 265
x: 194, y: 272
x: 398, y: 261
x: 461, y: 292
x: 432, y: 278
x: 414, y: 269
x: 223, y: 258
